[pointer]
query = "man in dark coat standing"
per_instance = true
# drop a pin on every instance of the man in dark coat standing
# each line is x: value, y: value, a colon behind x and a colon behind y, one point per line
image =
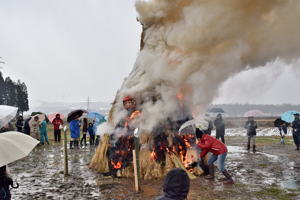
x: 19, y: 124
x: 296, y: 130
x: 176, y: 185
x: 210, y: 125
x: 220, y: 127
x: 251, y: 127
x: 26, y: 126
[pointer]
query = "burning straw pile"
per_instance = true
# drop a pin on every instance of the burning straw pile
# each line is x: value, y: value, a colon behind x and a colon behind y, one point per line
x: 188, y: 49
x: 160, y: 151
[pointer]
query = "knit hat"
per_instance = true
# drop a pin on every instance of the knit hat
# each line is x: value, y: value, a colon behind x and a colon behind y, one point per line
x: 199, y: 133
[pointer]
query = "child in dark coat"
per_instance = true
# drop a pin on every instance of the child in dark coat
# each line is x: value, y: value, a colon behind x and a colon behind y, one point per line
x: 5, y: 182
x: 282, y: 131
x: 91, y: 133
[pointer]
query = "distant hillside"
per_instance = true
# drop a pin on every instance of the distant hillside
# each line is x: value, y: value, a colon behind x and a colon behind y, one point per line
x: 232, y: 110
x: 65, y: 107
x: 238, y: 110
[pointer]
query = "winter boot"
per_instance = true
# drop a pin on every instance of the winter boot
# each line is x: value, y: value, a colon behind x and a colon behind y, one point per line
x: 48, y: 143
x: 211, y: 172
x: 254, y: 148
x: 229, y: 179
x: 77, y: 144
x: 248, y: 147
x: 71, y: 145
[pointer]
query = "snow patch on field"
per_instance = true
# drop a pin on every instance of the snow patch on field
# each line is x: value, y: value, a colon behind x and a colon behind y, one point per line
x: 259, y: 132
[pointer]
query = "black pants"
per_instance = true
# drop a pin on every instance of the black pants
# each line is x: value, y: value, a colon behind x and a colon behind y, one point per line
x: 83, y: 138
x: 57, y: 135
x: 222, y: 138
x: 296, y: 140
x: 92, y: 139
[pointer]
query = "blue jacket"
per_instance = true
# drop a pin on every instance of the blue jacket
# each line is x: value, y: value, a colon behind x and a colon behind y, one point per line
x: 26, y: 125
x: 296, y: 125
x: 91, y: 130
x: 75, y: 129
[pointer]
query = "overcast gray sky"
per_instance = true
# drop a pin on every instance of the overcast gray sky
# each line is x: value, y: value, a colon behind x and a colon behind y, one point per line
x: 68, y: 50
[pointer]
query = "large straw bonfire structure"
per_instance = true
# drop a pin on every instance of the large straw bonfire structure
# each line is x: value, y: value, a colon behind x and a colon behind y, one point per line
x: 188, y: 49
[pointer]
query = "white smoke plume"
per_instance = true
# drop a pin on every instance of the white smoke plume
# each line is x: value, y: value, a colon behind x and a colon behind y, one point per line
x: 192, y: 46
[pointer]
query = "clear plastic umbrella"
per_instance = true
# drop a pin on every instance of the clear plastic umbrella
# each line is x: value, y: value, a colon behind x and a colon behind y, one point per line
x: 190, y: 126
x: 7, y: 113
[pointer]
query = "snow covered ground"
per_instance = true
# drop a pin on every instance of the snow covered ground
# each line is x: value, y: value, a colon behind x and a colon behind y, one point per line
x: 259, y: 132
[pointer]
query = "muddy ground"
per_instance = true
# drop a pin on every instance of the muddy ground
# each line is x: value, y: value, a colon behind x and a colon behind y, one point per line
x: 270, y: 173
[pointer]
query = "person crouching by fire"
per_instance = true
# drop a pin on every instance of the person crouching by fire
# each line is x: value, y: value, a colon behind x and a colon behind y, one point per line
x: 219, y: 152
x: 75, y: 132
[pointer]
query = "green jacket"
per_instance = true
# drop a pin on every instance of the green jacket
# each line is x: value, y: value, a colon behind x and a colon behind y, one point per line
x: 43, y: 128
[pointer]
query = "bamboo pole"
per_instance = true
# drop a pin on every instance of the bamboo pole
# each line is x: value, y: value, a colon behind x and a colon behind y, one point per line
x: 65, y: 154
x: 135, y: 171
x: 136, y: 147
x: 136, y: 160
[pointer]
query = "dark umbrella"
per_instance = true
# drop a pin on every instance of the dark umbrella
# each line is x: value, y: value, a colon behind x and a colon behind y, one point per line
x: 35, y: 113
x: 278, y: 122
x: 75, y: 113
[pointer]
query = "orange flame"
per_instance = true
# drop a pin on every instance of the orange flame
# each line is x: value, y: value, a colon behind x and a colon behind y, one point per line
x: 116, y: 166
x: 134, y: 114
x: 180, y: 97
x: 153, y: 156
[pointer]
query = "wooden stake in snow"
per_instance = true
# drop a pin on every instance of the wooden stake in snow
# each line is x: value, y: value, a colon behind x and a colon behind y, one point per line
x: 136, y: 164
x: 65, y: 152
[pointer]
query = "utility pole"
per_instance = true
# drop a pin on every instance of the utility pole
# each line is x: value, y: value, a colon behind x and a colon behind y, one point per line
x: 88, y: 103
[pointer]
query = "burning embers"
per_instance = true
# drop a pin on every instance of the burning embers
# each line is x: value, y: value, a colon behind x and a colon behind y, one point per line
x: 161, y: 145
x: 122, y: 144
x: 185, y: 146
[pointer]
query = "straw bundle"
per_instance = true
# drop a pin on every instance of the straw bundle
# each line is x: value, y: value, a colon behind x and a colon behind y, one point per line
x: 99, y: 161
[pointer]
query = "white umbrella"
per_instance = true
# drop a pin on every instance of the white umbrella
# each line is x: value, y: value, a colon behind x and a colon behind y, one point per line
x: 14, y: 146
x: 7, y: 113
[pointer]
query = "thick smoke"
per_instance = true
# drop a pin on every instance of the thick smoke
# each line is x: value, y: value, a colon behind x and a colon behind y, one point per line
x: 192, y: 46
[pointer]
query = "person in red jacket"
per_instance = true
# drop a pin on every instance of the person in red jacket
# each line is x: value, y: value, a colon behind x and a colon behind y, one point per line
x: 57, y: 122
x: 219, y: 152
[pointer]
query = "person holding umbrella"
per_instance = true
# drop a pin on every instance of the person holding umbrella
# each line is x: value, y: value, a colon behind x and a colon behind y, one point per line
x: 296, y: 130
x: 13, y: 146
x: 5, y: 182
x: 57, y: 122
x: 251, y: 127
x: 35, y: 128
x: 75, y: 132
